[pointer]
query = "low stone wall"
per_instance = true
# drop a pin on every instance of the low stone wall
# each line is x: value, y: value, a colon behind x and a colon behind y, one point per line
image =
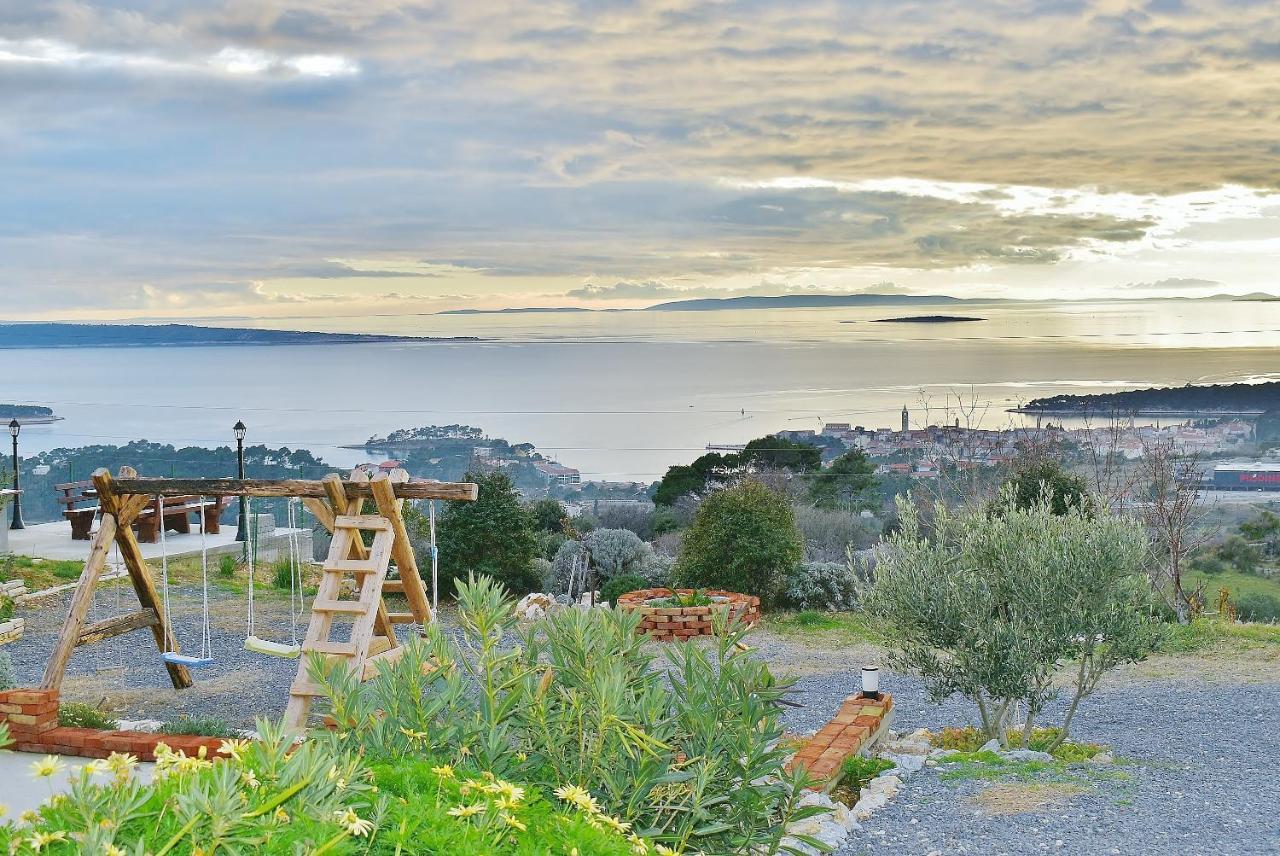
x: 32, y: 717
x: 685, y: 622
x: 11, y: 630
x: 859, y: 723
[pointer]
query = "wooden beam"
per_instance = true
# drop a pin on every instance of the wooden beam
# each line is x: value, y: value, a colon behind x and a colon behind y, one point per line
x: 401, y: 548
x: 140, y: 576
x: 321, y: 510
x: 73, y: 626
x: 414, y: 489
x: 115, y: 626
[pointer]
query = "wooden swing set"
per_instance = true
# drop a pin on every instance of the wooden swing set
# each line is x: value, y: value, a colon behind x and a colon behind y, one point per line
x: 339, y: 505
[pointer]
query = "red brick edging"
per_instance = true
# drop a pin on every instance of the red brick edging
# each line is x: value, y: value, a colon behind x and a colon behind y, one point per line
x: 858, y: 724
x: 32, y: 717
x: 685, y: 622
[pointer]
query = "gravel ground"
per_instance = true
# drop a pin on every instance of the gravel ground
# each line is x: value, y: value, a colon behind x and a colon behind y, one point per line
x: 1199, y: 778
x: 1200, y: 758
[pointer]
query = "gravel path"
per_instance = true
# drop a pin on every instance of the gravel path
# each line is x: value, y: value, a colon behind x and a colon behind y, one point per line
x: 1202, y: 778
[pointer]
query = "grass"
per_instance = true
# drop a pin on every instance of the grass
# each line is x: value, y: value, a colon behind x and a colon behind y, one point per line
x: 1238, y: 583
x: 970, y: 739
x: 814, y: 626
x: 73, y: 714
x: 40, y: 573
x: 203, y: 726
x: 1206, y: 633
x: 986, y: 766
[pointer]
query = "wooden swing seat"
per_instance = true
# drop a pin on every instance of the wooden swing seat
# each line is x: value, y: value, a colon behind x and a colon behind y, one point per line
x: 186, y: 660
x: 272, y: 649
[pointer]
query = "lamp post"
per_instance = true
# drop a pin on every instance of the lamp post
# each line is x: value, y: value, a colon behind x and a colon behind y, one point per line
x: 15, y: 428
x: 242, y: 528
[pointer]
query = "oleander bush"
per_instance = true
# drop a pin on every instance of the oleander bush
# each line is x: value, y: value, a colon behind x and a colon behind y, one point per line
x: 684, y: 750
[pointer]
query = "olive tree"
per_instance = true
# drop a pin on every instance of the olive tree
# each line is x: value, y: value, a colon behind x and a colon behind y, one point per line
x: 995, y: 604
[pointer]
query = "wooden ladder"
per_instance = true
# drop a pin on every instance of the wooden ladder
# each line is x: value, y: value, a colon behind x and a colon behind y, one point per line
x: 373, y: 639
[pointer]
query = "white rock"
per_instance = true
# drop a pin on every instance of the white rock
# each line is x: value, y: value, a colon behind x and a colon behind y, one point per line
x: 832, y: 833
x: 533, y: 606
x: 906, y: 763
x: 1026, y: 755
x: 818, y: 798
x: 148, y: 725
x: 868, y: 804
x: 990, y: 746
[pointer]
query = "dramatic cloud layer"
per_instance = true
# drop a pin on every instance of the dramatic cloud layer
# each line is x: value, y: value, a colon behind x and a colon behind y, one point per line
x: 250, y: 155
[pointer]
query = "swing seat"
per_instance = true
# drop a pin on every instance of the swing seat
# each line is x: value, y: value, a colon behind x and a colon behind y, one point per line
x: 272, y: 649
x: 186, y: 660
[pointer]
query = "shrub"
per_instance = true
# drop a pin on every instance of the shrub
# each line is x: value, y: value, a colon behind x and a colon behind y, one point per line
x: 568, y: 567
x: 1258, y: 606
x: 203, y: 726
x: 991, y: 605
x: 548, y: 515
x: 687, y: 753
x: 822, y: 585
x: 743, y: 539
x: 227, y: 566
x: 829, y: 534
x: 1039, y: 478
x: 74, y: 714
x: 6, y: 603
x: 612, y: 550
x: 549, y: 543
x: 282, y: 574
x: 492, y: 535
x: 8, y: 678
x: 620, y: 585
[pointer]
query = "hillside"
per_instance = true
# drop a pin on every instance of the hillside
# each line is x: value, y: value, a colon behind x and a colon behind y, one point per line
x: 58, y: 335
x: 1214, y: 399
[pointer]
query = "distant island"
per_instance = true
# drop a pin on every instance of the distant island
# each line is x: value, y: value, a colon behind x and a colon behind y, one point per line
x: 520, y: 310
x: 810, y: 301
x: 926, y: 319
x: 57, y: 335
x: 28, y: 414
x: 1234, y: 399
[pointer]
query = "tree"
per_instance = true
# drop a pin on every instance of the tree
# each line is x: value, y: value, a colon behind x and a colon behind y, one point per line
x: 1173, y: 513
x: 743, y: 539
x: 777, y: 453
x: 1264, y: 531
x: 695, y: 478
x: 494, y: 535
x: 548, y: 515
x: 845, y: 483
x: 995, y: 606
x: 1033, y: 480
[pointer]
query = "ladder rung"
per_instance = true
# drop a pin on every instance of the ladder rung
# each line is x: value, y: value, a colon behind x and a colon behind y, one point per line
x: 351, y: 566
x: 402, y: 617
x: 393, y: 586
x: 362, y: 521
x: 339, y: 606
x: 345, y: 649
x: 304, y: 688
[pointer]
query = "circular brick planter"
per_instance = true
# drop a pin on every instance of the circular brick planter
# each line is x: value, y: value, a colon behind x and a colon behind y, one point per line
x: 685, y: 622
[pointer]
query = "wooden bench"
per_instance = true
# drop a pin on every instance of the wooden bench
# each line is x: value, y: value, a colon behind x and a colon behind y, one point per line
x: 177, y: 516
x: 75, y: 495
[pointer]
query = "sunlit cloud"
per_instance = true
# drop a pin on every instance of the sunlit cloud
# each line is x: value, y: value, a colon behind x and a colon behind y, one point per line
x: 231, y: 61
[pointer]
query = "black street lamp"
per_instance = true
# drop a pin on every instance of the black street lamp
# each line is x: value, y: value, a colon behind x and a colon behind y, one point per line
x: 242, y: 528
x: 15, y: 428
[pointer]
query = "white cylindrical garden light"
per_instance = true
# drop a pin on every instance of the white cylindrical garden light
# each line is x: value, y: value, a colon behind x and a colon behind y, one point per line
x: 870, y: 682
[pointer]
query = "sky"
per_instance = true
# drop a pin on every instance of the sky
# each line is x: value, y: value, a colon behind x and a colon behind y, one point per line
x: 183, y: 158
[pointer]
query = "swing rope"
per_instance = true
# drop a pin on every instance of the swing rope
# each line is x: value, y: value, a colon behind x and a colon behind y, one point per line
x: 168, y: 654
x: 265, y: 646
x: 435, y: 559
x: 250, y: 548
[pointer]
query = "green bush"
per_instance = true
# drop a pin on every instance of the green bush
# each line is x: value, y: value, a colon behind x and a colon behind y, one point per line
x: 8, y: 679
x: 743, y: 539
x: 822, y: 585
x: 1258, y: 606
x: 992, y: 605
x: 282, y: 574
x: 6, y: 604
x: 73, y: 714
x: 227, y: 566
x: 494, y: 536
x: 688, y: 753
x: 203, y: 726
x: 620, y: 585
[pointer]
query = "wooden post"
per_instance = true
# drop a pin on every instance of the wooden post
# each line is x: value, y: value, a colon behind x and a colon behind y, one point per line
x: 401, y: 548
x: 140, y: 576
x: 80, y: 603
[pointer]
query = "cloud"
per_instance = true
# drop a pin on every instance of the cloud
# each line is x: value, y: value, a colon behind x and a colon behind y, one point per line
x: 229, y: 61
x: 1175, y: 284
x: 335, y: 269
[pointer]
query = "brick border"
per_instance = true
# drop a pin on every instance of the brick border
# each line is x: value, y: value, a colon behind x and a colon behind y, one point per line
x: 686, y: 622
x: 32, y: 717
x: 858, y: 724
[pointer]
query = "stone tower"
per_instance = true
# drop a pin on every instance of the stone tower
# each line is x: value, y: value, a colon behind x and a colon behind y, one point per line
x: 906, y: 420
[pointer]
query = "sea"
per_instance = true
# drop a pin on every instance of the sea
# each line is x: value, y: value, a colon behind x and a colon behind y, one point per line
x: 623, y: 395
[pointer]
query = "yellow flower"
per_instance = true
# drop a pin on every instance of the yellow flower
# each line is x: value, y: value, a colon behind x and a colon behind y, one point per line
x: 513, y: 822
x: 40, y: 839
x: 514, y: 793
x: 93, y: 768
x: 29, y: 816
x: 663, y: 850
x: 522, y: 756
x: 639, y: 846
x: 333, y: 772
x: 579, y: 797
x: 121, y: 764
x: 47, y: 766
x: 281, y: 816
x: 445, y: 772
x: 249, y: 778
x: 464, y: 751
x: 355, y: 825
x: 615, y: 824
x: 56, y: 800
x: 340, y: 784
x: 112, y: 850
x: 105, y: 823
x: 465, y: 810
x: 234, y: 748
x: 415, y: 735
x: 4, y: 809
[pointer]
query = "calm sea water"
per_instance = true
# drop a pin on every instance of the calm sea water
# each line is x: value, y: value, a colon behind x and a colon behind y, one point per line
x: 624, y: 395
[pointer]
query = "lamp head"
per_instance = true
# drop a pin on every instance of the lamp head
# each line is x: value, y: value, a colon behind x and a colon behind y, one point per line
x: 15, y: 427
x: 239, y: 429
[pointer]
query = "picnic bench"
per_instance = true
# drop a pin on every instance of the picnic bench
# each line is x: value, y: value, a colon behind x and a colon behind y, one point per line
x: 81, y: 501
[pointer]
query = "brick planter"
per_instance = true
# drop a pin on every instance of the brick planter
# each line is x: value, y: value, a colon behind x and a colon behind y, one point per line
x: 856, y: 727
x: 685, y: 622
x: 32, y: 717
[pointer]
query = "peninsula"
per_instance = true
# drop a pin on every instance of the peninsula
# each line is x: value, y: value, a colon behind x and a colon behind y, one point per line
x: 1234, y: 399
x: 59, y: 335
x: 926, y: 319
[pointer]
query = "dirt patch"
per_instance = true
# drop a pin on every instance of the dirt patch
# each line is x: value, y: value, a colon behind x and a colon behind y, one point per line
x: 1018, y: 798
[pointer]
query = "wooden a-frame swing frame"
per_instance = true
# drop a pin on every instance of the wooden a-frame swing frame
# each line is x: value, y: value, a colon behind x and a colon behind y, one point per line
x: 339, y: 506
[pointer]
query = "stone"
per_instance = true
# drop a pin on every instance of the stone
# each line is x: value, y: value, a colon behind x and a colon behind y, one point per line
x: 148, y: 725
x: 869, y: 804
x: 1103, y: 758
x: 831, y: 833
x: 990, y: 746
x: 533, y: 606
x: 906, y: 763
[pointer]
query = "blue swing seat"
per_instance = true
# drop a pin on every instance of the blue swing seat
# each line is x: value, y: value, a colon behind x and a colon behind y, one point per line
x: 186, y: 660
